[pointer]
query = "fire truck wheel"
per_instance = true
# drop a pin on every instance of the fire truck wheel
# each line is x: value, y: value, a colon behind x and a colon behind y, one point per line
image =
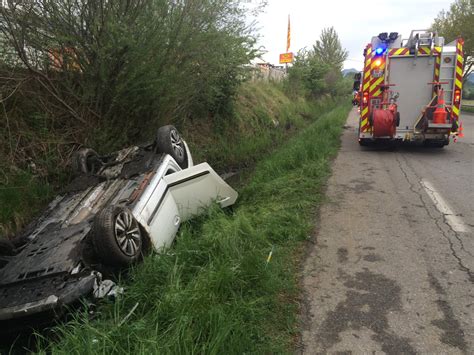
x: 364, y: 142
x: 436, y: 143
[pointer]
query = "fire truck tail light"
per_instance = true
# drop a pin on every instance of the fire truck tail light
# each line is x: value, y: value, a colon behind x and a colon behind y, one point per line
x: 457, y: 96
x: 366, y: 97
x: 378, y: 62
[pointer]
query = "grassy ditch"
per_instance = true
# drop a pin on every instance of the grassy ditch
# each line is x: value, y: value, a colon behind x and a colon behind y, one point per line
x: 214, y: 291
x: 262, y: 117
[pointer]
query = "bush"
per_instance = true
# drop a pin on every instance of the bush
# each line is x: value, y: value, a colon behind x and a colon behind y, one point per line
x: 115, y: 68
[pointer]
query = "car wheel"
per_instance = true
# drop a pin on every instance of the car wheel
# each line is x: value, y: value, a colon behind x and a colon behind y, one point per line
x: 86, y: 161
x: 169, y: 141
x: 117, y: 237
x: 6, y: 247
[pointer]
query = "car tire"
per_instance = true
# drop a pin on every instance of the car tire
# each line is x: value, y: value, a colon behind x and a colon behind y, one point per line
x: 6, y: 247
x: 86, y: 161
x: 117, y: 237
x: 169, y: 141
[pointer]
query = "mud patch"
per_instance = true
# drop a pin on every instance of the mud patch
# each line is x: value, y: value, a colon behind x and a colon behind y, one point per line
x: 372, y: 257
x: 369, y: 300
x: 452, y: 335
x: 361, y: 186
x: 342, y: 254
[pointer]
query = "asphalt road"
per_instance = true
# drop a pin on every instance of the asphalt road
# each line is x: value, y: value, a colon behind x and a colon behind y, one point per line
x: 392, y: 265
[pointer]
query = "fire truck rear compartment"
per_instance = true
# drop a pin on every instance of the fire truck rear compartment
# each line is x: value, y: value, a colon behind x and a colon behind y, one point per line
x: 411, y: 81
x: 416, y: 83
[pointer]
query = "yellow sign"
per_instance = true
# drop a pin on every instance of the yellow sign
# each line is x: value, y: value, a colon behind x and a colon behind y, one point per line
x: 286, y: 58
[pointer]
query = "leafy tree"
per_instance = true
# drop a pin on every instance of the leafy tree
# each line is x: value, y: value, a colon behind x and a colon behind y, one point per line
x: 329, y: 50
x: 119, y: 67
x: 318, y: 71
x: 459, y: 21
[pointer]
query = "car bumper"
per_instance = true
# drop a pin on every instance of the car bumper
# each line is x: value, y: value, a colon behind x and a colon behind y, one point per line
x: 17, y: 302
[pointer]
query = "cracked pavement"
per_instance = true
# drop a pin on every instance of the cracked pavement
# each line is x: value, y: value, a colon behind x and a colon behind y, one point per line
x: 391, y: 266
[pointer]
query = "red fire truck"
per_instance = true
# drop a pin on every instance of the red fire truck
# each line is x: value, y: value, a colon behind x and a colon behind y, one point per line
x: 411, y: 89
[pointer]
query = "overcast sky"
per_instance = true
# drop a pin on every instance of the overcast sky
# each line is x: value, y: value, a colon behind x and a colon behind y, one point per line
x: 355, y: 22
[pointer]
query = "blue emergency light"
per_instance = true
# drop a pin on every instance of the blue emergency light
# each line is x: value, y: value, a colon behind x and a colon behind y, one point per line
x: 379, y: 50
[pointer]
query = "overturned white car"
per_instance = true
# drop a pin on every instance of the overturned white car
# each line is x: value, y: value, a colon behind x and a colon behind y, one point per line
x: 119, y: 208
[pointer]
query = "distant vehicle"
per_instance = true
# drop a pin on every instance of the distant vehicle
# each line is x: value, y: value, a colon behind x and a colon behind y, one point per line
x: 411, y: 89
x: 356, y: 89
x: 118, y: 208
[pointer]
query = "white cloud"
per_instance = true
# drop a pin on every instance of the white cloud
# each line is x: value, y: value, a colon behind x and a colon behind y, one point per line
x: 355, y: 21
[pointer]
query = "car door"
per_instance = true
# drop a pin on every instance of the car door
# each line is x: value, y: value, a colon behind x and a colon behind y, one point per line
x: 160, y: 214
x: 195, y: 188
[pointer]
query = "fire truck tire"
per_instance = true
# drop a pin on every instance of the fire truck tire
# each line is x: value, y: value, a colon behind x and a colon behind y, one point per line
x: 436, y: 143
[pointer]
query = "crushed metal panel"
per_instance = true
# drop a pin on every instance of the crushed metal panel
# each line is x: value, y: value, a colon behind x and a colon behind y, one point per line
x: 29, y: 308
x: 53, y: 251
x: 42, y: 295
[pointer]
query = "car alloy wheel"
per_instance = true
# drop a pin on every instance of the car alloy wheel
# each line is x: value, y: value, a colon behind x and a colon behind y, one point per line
x: 177, y: 144
x: 127, y: 233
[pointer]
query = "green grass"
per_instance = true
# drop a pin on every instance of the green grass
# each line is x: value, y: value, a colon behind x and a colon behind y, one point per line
x: 21, y: 195
x: 466, y: 103
x: 236, y: 142
x: 213, y: 292
x: 263, y: 118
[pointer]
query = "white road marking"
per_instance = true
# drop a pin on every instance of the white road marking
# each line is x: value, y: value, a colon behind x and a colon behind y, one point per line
x: 452, y: 219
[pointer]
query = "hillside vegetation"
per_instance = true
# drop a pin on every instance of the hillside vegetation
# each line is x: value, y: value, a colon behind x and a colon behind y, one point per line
x: 263, y: 116
x: 217, y: 291
x: 108, y: 74
x: 105, y: 75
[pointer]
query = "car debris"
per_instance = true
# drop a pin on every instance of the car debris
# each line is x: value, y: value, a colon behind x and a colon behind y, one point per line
x: 106, y: 288
x: 119, y: 208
